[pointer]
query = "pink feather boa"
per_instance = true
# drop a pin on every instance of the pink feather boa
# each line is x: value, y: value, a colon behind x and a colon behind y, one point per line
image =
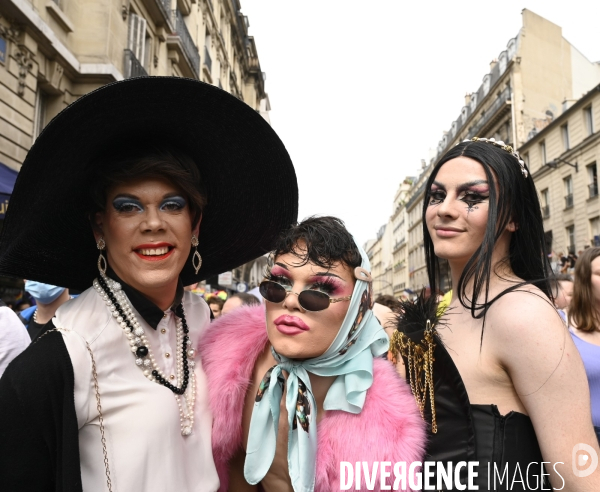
x: 389, y: 428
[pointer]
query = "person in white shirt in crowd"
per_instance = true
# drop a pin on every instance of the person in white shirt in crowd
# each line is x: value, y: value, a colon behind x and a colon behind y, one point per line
x: 13, y: 336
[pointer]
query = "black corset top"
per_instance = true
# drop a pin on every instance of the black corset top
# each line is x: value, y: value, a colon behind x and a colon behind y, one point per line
x: 505, y: 446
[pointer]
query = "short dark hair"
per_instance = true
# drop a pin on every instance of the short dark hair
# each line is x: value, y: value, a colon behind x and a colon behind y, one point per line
x: 247, y: 299
x: 215, y: 300
x: 514, y: 198
x: 389, y: 301
x: 326, y: 239
x: 142, y: 161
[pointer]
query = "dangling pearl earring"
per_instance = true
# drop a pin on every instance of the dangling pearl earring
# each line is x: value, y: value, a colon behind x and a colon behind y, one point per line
x: 196, y: 258
x: 102, y: 264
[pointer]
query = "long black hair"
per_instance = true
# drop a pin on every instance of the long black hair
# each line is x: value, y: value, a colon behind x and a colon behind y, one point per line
x: 513, y: 198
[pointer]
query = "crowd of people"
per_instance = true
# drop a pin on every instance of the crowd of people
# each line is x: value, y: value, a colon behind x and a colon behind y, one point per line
x: 138, y: 384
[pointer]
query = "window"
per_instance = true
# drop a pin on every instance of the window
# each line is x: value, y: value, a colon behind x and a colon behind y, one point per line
x: 568, y: 184
x: 589, y: 119
x: 595, y: 231
x: 571, y: 239
x: 136, y: 38
x: 592, y: 171
x: 526, y: 158
x: 41, y: 100
x: 545, y: 203
x: 543, y: 152
x: 564, y: 130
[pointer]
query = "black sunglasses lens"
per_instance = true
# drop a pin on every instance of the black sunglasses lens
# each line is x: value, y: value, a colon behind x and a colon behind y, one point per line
x: 272, y: 291
x: 313, y: 300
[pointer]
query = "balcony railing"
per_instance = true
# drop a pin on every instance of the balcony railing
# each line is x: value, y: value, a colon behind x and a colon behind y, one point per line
x: 133, y: 67
x: 398, y: 244
x: 569, y: 201
x: 593, y: 189
x: 207, y: 60
x: 491, y: 111
x: 189, y: 47
x: 546, y: 211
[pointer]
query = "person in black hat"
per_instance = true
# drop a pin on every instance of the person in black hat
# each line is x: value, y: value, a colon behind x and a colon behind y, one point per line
x: 123, y: 202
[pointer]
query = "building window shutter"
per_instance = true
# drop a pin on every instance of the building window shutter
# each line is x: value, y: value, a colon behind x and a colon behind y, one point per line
x: 137, y: 36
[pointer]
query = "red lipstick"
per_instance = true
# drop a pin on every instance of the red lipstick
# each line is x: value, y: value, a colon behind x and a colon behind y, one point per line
x: 149, y: 251
x: 290, y: 325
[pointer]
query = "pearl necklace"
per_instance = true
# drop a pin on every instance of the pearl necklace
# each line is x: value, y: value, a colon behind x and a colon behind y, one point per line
x: 117, y: 302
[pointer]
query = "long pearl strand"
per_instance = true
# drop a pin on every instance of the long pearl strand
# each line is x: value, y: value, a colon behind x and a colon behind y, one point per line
x: 119, y: 306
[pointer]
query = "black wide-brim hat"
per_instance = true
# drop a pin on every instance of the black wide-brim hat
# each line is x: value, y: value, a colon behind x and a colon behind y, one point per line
x: 252, y: 192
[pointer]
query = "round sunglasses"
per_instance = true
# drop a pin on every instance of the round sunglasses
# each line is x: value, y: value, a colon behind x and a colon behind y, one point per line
x: 309, y: 300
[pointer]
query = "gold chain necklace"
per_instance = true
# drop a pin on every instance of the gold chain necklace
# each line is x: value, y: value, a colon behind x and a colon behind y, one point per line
x: 419, y: 368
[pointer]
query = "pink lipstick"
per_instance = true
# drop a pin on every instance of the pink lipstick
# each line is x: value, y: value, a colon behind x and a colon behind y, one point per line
x: 290, y: 325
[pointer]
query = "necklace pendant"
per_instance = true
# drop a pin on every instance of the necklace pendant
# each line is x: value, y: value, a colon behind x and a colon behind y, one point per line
x: 186, y: 430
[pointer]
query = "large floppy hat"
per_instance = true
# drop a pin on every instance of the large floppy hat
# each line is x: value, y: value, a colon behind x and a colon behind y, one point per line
x: 252, y: 193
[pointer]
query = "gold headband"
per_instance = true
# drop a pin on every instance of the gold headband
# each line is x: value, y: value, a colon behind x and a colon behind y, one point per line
x: 503, y: 146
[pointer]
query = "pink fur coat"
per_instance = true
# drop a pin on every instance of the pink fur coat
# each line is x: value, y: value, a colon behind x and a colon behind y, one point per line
x: 389, y: 428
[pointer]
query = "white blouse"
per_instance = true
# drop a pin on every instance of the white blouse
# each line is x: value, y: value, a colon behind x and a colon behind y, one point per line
x: 146, y: 451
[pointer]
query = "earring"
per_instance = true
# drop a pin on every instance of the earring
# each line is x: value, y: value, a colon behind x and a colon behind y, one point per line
x: 102, y: 264
x: 196, y: 258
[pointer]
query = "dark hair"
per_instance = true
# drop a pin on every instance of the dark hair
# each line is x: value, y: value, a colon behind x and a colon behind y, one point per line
x: 513, y: 198
x: 247, y: 299
x: 582, y: 312
x: 143, y: 161
x: 325, y: 241
x: 215, y: 300
x: 388, y: 301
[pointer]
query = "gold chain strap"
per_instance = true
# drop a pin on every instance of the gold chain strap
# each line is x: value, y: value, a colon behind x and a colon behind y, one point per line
x: 419, y: 368
x: 98, y: 406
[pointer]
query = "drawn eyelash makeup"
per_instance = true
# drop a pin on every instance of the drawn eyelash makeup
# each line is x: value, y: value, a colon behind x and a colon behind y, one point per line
x: 436, y: 196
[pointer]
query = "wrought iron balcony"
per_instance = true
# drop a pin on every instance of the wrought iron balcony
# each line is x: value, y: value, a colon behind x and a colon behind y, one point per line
x: 546, y: 211
x: 491, y: 111
x: 593, y: 189
x: 133, y: 67
x: 569, y: 201
x: 207, y: 60
x: 189, y: 47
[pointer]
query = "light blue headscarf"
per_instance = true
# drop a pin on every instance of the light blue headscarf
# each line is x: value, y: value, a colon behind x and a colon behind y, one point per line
x: 350, y: 358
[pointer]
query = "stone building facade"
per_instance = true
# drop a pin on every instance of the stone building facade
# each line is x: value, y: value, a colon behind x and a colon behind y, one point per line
x: 563, y: 159
x: 54, y: 51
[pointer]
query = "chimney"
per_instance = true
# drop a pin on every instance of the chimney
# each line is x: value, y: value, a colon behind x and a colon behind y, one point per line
x: 493, y: 64
x: 467, y: 98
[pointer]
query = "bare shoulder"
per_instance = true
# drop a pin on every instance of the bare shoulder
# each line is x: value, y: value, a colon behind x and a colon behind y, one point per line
x: 524, y: 314
x: 528, y: 338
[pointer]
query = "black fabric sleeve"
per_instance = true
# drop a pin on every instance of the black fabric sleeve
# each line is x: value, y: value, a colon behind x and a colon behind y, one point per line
x: 39, y: 444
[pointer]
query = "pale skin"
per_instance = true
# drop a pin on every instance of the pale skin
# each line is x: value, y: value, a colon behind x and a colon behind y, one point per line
x: 45, y: 312
x: 149, y: 213
x: 324, y: 326
x: 593, y: 336
x: 527, y: 362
